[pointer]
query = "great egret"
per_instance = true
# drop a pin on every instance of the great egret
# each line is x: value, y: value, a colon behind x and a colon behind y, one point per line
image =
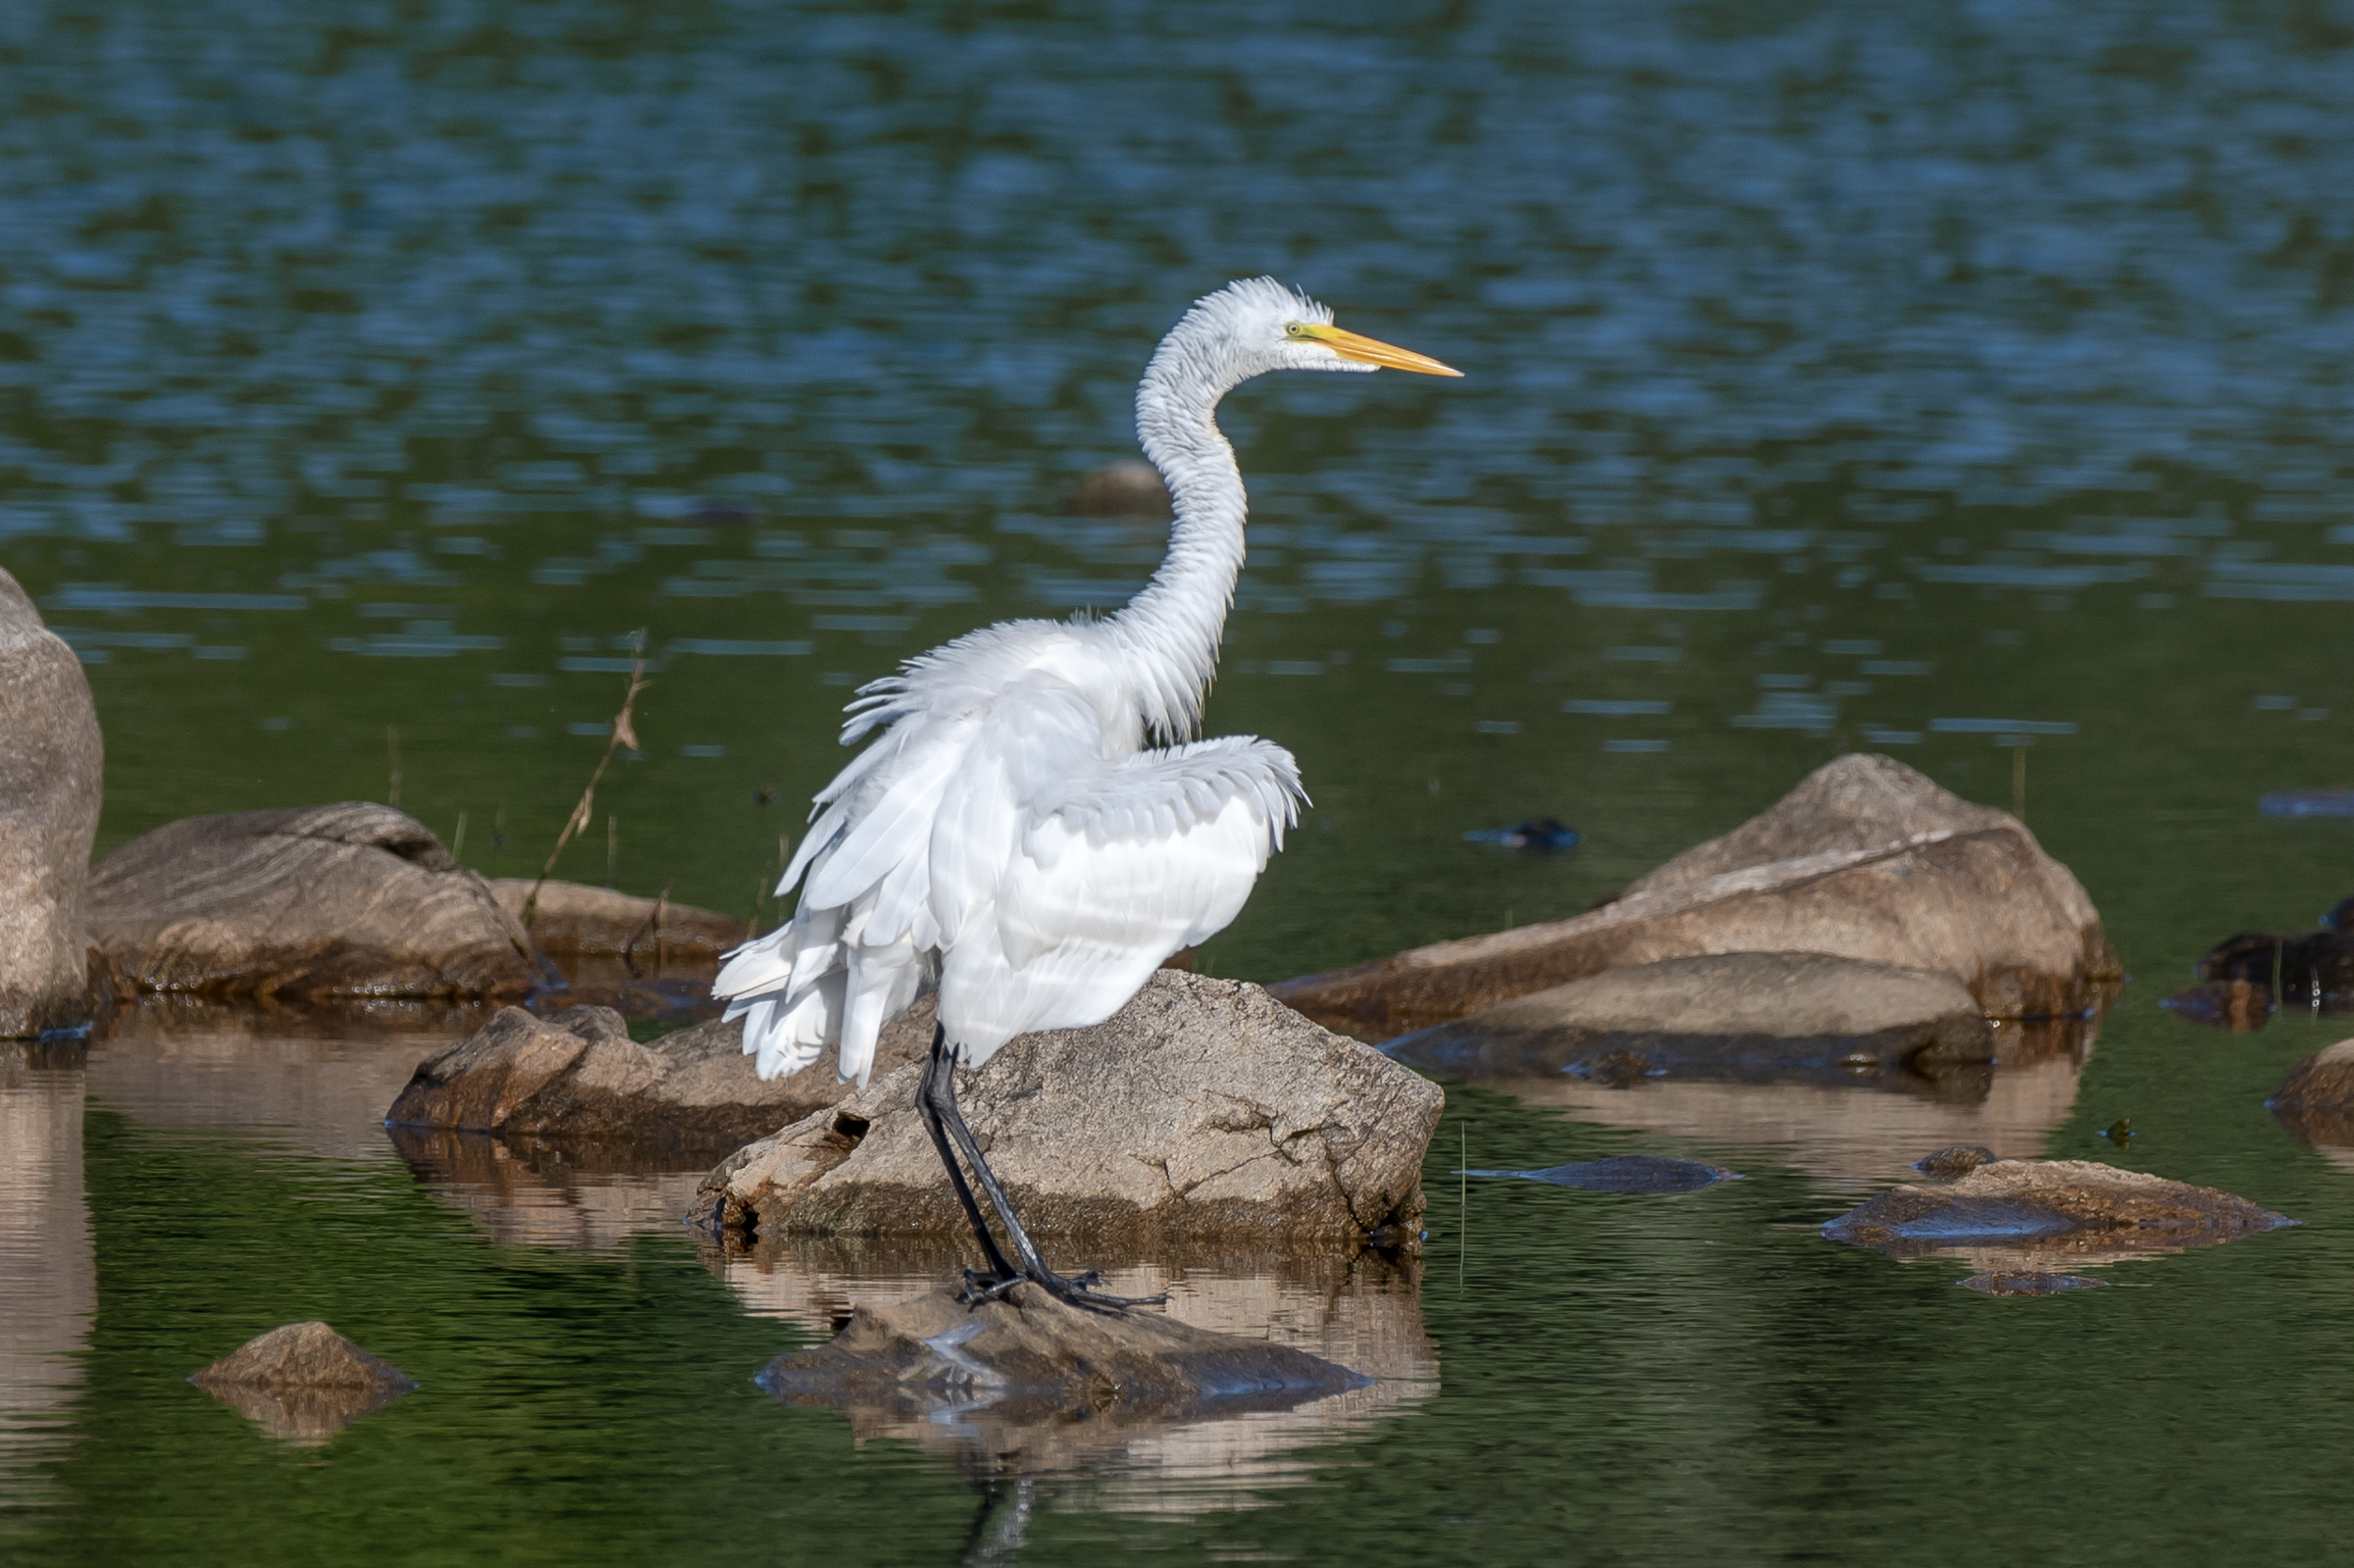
x: 1012, y: 838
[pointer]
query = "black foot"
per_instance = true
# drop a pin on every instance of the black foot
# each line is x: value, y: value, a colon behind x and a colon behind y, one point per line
x: 1075, y: 1289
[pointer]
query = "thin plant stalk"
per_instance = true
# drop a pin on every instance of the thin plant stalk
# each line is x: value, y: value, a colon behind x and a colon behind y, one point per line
x: 625, y: 733
x: 392, y: 755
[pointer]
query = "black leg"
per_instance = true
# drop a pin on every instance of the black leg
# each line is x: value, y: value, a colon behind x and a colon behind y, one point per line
x: 1076, y: 1291
x: 935, y: 1073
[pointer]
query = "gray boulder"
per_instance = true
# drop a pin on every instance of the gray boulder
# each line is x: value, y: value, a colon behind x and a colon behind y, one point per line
x: 2316, y: 1101
x: 1029, y: 1366
x: 578, y: 1076
x: 1739, y: 1017
x: 50, y: 782
x: 1203, y: 1108
x: 303, y: 1383
x: 349, y: 900
x: 573, y: 919
x: 1865, y: 859
x: 2018, y: 1216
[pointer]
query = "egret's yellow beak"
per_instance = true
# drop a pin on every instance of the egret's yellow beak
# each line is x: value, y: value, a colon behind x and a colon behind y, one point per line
x: 1367, y: 351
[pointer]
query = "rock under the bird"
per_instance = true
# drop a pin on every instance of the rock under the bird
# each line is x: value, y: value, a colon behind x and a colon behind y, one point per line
x: 1953, y: 1162
x: 2316, y: 1101
x: 1203, y: 1108
x: 1028, y: 1361
x: 1730, y: 1017
x: 573, y: 919
x: 2012, y: 1213
x: 1627, y: 1173
x: 50, y: 783
x: 349, y: 900
x: 303, y: 1383
x: 1865, y: 859
x: 577, y: 1075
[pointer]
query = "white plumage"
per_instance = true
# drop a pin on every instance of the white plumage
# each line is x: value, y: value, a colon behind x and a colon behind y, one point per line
x: 1013, y: 836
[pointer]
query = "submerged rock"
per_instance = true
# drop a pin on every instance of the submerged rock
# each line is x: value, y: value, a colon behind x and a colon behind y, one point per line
x: 1203, y: 1108
x: 50, y: 777
x: 1126, y: 488
x: 1627, y: 1173
x: 1865, y: 859
x: 303, y: 1383
x: 573, y: 919
x: 349, y: 900
x: 2241, y: 1006
x: 2306, y: 971
x: 1738, y: 1017
x: 2316, y: 1101
x: 577, y: 1074
x: 2029, y: 1283
x: 1953, y: 1162
x: 2025, y: 1208
x: 1029, y: 1360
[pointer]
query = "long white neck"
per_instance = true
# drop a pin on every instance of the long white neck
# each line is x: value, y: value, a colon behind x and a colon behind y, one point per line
x: 1170, y: 631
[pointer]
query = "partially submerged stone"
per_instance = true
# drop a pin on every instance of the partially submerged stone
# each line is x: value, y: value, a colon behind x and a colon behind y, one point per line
x: 2029, y: 1283
x: 1627, y: 1173
x: 1954, y: 1161
x: 1740, y: 1017
x: 49, y: 793
x: 1865, y: 859
x: 577, y: 1075
x: 2306, y: 971
x: 572, y: 919
x: 1028, y: 1360
x: 2241, y: 1006
x: 303, y: 1383
x: 350, y: 900
x: 1203, y: 1108
x: 2030, y: 1209
x: 2316, y: 1101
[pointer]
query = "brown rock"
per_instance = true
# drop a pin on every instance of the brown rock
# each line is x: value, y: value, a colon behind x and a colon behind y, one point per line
x: 49, y: 793
x: 2316, y: 1101
x: 1028, y: 1360
x: 2242, y: 1006
x: 1954, y: 1161
x: 578, y: 1076
x: 571, y: 918
x: 1865, y: 859
x: 350, y: 900
x: 1742, y: 1017
x: 303, y: 1383
x: 2016, y: 1212
x: 1126, y: 488
x: 1203, y: 1108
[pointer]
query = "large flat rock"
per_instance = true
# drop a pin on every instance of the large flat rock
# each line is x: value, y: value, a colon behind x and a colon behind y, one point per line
x: 577, y: 1075
x: 50, y: 781
x: 2025, y: 1216
x: 1203, y: 1108
x: 1028, y: 1360
x: 349, y: 900
x: 1728, y: 1016
x: 1865, y: 859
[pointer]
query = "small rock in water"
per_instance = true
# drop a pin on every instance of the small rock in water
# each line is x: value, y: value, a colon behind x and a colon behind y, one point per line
x: 303, y: 1383
x: 2023, y: 1209
x: 1538, y: 833
x: 2308, y: 803
x: 1027, y: 1363
x: 2316, y: 1101
x: 1627, y: 1173
x: 2241, y: 1006
x: 2029, y: 1283
x: 1952, y: 1163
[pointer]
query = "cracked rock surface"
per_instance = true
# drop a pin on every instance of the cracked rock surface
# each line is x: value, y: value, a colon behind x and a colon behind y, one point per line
x: 318, y: 901
x: 1203, y: 1108
x: 49, y: 791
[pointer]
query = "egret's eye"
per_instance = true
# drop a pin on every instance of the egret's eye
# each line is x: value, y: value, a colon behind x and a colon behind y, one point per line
x: 1296, y: 330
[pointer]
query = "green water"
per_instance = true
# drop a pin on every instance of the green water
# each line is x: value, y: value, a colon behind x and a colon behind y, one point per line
x: 369, y: 373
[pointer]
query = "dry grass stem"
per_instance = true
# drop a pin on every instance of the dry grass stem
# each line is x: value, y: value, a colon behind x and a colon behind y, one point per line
x: 625, y: 733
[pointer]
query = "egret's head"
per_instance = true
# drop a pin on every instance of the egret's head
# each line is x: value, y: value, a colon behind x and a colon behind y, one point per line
x: 1255, y: 325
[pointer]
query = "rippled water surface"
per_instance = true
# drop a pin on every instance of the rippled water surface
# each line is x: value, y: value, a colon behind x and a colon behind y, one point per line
x: 1969, y: 383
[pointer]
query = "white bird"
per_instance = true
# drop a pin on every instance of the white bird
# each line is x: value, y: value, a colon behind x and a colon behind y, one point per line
x: 1031, y: 832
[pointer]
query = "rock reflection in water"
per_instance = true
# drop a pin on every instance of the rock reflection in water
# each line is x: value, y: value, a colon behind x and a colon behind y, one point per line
x: 1361, y: 1313
x: 536, y: 1192
x: 48, y: 1269
x: 1851, y: 1137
